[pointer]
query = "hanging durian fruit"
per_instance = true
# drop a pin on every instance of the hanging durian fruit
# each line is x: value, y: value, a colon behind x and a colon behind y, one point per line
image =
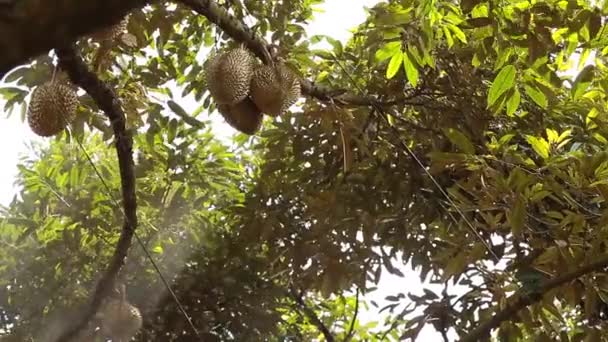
x: 52, y: 107
x: 243, y: 116
x: 120, y: 320
x: 229, y: 75
x: 274, y: 88
x: 111, y: 33
x: 107, y: 38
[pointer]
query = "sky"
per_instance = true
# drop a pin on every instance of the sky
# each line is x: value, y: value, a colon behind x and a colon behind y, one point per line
x: 336, y: 20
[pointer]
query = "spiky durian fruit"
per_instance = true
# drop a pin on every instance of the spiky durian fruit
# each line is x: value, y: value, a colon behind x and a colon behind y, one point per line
x: 244, y: 116
x: 120, y: 320
x: 52, y: 108
x: 274, y: 89
x: 111, y: 33
x: 229, y: 75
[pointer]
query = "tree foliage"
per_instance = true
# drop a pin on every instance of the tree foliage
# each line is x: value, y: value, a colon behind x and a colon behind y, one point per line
x: 447, y: 136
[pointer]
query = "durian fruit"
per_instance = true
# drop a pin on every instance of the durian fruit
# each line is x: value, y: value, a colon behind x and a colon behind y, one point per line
x: 274, y: 88
x: 52, y: 107
x: 111, y: 33
x: 243, y: 116
x: 120, y: 320
x: 229, y: 75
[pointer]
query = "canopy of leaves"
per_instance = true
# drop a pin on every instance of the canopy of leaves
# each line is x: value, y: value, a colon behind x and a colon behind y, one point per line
x: 482, y: 164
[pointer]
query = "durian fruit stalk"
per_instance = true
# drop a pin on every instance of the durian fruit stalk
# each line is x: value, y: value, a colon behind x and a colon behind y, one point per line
x: 51, y: 108
x: 274, y: 88
x: 120, y: 319
x: 243, y: 116
x: 229, y: 75
x: 111, y: 33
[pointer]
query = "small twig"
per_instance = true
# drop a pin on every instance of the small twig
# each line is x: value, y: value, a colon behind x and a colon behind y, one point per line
x: 109, y: 103
x: 311, y: 315
x: 444, y: 335
x: 521, y: 300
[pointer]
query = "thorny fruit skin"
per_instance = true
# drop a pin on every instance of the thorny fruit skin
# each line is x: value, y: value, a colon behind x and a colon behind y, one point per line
x: 274, y: 89
x: 120, y: 320
x: 229, y: 75
x: 111, y: 33
x: 52, y: 108
x: 243, y: 116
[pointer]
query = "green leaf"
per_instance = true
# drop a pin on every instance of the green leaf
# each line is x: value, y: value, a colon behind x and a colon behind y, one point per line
x: 448, y: 37
x: 459, y: 139
x: 537, y: 96
x: 583, y: 81
x: 172, y: 130
x: 517, y: 216
x: 564, y: 135
x: 411, y: 72
x: 540, y: 146
x: 177, y: 109
x: 394, y: 65
x: 324, y: 54
x: 551, y: 135
x: 513, y: 102
x: 458, y: 33
x: 387, y: 51
x: 503, y: 82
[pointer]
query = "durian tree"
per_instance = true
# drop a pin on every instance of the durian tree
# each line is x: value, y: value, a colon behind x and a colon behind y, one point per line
x: 463, y: 139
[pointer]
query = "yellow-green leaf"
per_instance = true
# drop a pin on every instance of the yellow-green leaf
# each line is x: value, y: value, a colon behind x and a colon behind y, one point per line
x: 458, y: 33
x: 564, y: 135
x: 582, y: 81
x: 513, y: 102
x: 551, y: 135
x: 394, y: 65
x: 540, y: 146
x: 448, y: 36
x: 503, y: 82
x: 388, y: 50
x: 537, y: 96
x: 410, y: 69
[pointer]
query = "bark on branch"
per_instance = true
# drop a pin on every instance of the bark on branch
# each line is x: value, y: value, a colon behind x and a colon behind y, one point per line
x: 29, y: 28
x: 520, y: 300
x: 105, y: 98
x: 311, y: 315
x: 241, y: 33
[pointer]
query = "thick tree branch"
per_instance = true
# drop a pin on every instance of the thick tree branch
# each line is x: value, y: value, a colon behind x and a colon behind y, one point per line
x: 241, y: 33
x: 311, y: 315
x: 29, y: 28
x: 108, y: 102
x: 521, y: 300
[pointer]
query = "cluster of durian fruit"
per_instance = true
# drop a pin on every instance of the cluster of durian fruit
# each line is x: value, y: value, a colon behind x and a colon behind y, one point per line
x: 53, y: 104
x: 244, y: 90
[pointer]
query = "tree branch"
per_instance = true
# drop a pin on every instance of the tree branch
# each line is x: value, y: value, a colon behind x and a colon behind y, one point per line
x: 105, y: 98
x: 311, y: 315
x: 521, y: 300
x: 241, y: 33
x: 29, y: 28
